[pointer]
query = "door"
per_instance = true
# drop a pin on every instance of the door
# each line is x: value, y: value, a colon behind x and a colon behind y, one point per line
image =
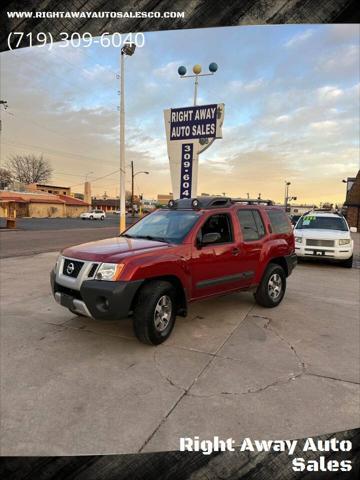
x: 214, y: 268
x: 252, y: 232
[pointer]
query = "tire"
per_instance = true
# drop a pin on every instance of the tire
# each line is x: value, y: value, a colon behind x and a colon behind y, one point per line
x: 91, y: 217
x: 272, y: 288
x: 149, y: 326
x: 348, y: 262
x: 102, y: 218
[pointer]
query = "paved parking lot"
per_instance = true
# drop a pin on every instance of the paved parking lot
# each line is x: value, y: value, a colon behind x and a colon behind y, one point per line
x: 73, y: 385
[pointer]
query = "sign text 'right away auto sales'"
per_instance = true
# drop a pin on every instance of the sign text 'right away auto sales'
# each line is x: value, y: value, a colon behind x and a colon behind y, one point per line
x: 193, y: 122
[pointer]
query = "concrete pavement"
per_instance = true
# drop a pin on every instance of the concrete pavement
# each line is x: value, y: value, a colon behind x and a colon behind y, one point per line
x: 73, y: 385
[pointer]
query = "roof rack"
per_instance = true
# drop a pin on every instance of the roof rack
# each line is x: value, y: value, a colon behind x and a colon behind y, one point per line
x: 324, y: 210
x: 199, y: 203
x: 252, y: 201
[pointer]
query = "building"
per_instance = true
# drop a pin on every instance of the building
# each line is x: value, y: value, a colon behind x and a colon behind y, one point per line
x: 105, y: 204
x: 300, y: 209
x: 53, y: 189
x: 352, y: 201
x: 41, y: 205
x: 163, y: 199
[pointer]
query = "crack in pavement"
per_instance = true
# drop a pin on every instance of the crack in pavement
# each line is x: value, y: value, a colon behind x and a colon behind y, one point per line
x: 186, y: 390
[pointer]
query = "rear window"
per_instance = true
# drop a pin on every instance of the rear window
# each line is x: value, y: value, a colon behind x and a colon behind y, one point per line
x: 251, y: 224
x: 279, y: 221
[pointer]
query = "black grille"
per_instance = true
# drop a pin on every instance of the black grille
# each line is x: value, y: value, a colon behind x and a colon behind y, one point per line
x: 72, y: 268
x: 68, y: 291
x: 93, y: 269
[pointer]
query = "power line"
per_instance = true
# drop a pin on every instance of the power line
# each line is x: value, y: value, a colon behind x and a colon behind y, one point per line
x: 51, y: 150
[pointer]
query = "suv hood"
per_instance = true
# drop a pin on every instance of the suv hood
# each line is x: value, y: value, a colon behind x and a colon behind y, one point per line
x: 321, y: 234
x: 111, y: 249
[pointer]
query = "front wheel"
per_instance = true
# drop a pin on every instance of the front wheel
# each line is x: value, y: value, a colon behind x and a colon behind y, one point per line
x: 272, y: 288
x: 155, y: 312
x: 102, y: 217
x: 348, y: 262
x: 91, y: 217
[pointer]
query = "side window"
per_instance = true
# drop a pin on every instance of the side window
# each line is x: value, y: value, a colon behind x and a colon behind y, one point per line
x: 251, y: 224
x: 279, y: 221
x: 219, y: 223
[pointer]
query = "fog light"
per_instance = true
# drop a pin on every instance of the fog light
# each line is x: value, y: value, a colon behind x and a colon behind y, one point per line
x: 103, y: 304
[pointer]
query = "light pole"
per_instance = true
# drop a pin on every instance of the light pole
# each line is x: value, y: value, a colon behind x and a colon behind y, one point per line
x: 133, y: 175
x: 287, y: 184
x: 127, y: 49
x: 197, y: 73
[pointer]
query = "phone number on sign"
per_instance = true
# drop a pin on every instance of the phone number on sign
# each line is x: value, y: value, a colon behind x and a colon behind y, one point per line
x: 41, y: 39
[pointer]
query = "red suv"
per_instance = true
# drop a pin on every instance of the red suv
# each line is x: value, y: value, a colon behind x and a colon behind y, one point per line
x: 194, y: 249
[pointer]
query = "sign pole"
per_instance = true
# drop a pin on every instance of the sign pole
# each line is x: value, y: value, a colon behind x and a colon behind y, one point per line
x: 196, y: 89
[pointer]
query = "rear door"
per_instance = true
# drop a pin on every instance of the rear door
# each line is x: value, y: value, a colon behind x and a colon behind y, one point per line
x: 253, y: 231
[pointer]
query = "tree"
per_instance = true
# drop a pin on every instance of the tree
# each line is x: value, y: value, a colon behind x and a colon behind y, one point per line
x: 29, y: 168
x: 5, y: 178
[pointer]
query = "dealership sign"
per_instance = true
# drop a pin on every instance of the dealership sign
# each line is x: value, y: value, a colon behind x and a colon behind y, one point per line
x: 190, y: 131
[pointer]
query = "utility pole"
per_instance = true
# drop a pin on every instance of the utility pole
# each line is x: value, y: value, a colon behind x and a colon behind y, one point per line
x: 132, y: 189
x: 5, y: 104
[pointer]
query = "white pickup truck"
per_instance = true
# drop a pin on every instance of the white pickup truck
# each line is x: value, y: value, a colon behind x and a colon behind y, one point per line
x: 93, y: 215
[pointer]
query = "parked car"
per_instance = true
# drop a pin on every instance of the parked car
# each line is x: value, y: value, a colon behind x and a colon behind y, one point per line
x: 193, y: 250
x: 93, y: 215
x: 324, y: 235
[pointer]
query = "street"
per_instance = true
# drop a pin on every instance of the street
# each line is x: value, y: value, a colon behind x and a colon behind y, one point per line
x: 73, y: 385
x: 36, y: 235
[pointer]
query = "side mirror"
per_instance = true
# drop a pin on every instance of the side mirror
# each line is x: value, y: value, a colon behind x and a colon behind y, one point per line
x: 210, y: 238
x: 353, y: 229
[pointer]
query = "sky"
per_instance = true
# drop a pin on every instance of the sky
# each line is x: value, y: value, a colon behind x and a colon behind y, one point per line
x: 291, y: 95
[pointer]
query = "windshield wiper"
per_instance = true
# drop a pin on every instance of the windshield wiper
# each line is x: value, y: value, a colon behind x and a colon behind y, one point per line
x: 150, y: 237
x: 126, y: 235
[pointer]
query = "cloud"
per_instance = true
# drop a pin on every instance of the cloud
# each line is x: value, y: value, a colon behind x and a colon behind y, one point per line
x: 299, y: 38
x: 287, y: 116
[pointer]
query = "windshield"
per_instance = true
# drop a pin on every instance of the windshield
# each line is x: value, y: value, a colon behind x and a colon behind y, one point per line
x: 164, y: 225
x: 323, y: 223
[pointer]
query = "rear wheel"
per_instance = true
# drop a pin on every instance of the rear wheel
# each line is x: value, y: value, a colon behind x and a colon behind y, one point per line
x: 348, y: 262
x: 102, y: 217
x: 155, y: 312
x: 272, y: 288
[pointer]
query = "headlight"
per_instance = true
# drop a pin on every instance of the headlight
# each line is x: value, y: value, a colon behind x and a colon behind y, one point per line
x: 298, y: 239
x: 344, y: 241
x: 109, y: 271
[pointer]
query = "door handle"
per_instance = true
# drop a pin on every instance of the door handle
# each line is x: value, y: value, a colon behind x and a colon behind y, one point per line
x: 235, y: 251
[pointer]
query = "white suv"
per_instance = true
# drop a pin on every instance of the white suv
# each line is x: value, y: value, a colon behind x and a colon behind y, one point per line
x: 93, y: 215
x: 324, y: 234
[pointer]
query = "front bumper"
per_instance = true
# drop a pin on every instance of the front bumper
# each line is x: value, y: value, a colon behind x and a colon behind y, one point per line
x: 97, y: 299
x: 335, y: 253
